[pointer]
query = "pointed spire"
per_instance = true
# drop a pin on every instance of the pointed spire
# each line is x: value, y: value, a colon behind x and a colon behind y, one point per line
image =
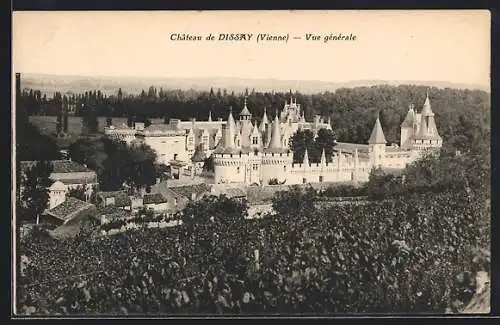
x: 377, y: 136
x: 210, y: 116
x: 410, y: 118
x: 275, y: 142
x: 245, y: 113
x: 264, y: 117
x: 255, y: 129
x: 230, y: 130
x: 305, y: 161
x: 426, y: 109
x: 323, y: 157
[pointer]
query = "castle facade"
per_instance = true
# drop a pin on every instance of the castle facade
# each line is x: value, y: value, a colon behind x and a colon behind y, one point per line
x: 192, y: 141
x: 259, y: 154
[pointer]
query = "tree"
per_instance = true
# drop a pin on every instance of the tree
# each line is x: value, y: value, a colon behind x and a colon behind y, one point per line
x: 78, y: 193
x: 303, y: 139
x: 58, y: 101
x: 32, y: 145
x: 35, y: 193
x: 90, y: 122
x: 65, y: 120
x: 116, y: 163
x: 326, y: 141
x: 208, y: 164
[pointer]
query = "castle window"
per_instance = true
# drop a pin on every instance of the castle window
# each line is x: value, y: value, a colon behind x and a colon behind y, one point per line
x: 255, y: 167
x: 238, y: 170
x: 284, y: 168
x: 321, y: 179
x: 238, y: 143
x: 304, y: 180
x: 255, y: 140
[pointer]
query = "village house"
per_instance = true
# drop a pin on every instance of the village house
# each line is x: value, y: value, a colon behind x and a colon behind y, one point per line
x: 66, y: 175
x: 117, y: 199
x: 71, y: 211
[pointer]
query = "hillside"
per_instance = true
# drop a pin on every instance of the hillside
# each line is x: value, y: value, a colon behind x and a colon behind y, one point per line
x: 133, y: 85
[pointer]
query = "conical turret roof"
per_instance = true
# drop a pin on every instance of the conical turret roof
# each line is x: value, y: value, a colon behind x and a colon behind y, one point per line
x: 426, y: 109
x: 226, y: 145
x: 409, y: 119
x: 275, y: 142
x: 264, y: 117
x: 245, y: 111
x: 323, y: 157
x: 377, y: 136
x: 305, y: 161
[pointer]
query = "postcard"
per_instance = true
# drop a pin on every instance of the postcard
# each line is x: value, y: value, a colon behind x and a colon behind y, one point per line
x: 251, y: 163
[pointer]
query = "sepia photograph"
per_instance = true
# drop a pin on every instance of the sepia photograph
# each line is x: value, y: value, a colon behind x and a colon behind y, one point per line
x: 251, y: 163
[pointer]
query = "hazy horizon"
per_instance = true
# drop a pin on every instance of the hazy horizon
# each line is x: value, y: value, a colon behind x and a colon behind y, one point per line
x: 125, y: 76
x: 442, y: 45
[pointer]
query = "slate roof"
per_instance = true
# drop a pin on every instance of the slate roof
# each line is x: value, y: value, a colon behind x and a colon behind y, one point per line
x: 377, y: 136
x: 409, y: 119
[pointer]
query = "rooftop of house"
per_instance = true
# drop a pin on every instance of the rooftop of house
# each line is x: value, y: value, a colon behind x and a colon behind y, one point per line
x: 188, y: 190
x: 69, y: 209
x: 154, y: 198
x: 121, y: 197
x: 59, y: 166
x: 230, y: 192
x: 113, y: 213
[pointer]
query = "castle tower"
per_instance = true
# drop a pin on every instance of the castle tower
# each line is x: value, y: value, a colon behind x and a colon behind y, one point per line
x: 245, y: 119
x: 377, y: 144
x: 228, y: 166
x: 264, y: 122
x: 275, y: 142
x: 408, y: 128
x: 255, y: 138
x: 210, y: 116
x: 190, y: 141
x: 230, y: 131
x: 276, y: 160
x: 428, y: 135
x: 323, y: 158
x: 245, y: 114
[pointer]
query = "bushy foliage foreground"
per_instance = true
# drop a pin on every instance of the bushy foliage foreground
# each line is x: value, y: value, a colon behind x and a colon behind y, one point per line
x: 411, y: 254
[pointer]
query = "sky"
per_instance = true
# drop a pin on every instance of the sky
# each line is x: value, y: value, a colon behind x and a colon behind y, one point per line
x: 452, y: 45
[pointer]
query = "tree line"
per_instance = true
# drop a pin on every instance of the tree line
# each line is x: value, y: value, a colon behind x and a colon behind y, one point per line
x: 352, y: 110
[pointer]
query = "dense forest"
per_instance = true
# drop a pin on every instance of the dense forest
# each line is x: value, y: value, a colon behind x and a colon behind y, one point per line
x: 352, y: 111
